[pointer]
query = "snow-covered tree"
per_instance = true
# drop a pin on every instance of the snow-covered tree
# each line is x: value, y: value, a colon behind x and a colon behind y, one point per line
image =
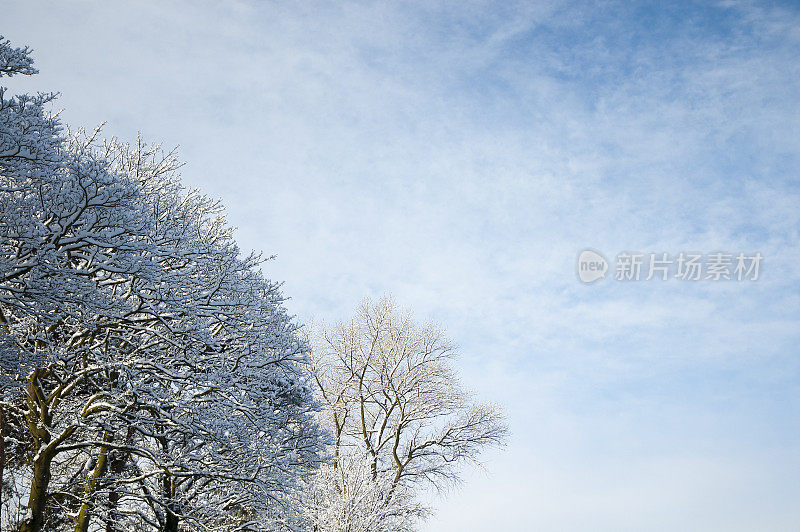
x: 344, y: 496
x: 394, y: 407
x: 231, y: 406
x: 158, y: 377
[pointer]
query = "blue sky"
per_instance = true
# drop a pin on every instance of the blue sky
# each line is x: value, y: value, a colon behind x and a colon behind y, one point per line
x: 460, y: 155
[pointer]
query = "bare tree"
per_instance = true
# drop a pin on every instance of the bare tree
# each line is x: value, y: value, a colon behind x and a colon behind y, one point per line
x: 391, y: 391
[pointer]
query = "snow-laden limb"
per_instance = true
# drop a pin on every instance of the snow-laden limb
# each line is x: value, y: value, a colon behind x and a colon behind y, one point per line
x: 15, y: 60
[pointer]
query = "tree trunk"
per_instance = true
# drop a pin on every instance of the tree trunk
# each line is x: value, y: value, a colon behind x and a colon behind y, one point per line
x: 38, y: 422
x: 92, y: 477
x: 171, y: 522
x: 113, y: 502
x: 2, y: 457
x: 34, y: 519
x: 116, y: 466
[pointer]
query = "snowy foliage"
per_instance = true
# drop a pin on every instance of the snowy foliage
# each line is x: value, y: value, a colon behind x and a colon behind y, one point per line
x: 151, y: 377
x: 15, y: 60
